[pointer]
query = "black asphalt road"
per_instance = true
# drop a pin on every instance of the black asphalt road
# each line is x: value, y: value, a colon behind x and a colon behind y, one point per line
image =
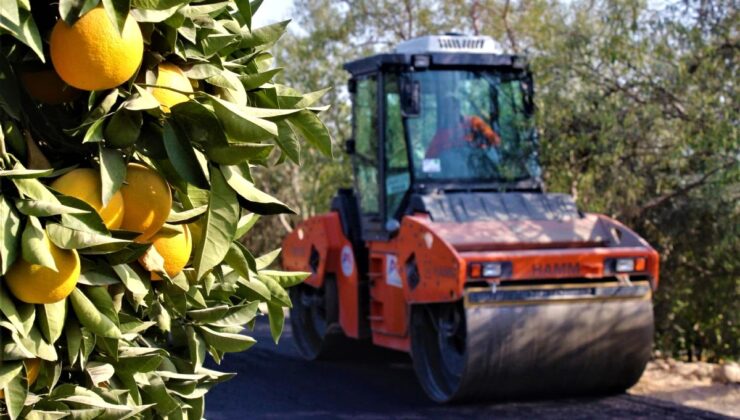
x: 274, y: 382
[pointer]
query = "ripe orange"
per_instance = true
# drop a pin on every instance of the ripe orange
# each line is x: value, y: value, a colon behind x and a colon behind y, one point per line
x: 172, y: 77
x: 33, y: 283
x: 146, y: 201
x: 174, y: 248
x: 92, y: 54
x: 85, y: 184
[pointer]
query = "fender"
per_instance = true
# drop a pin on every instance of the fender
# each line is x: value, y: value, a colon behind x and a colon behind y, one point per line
x: 431, y: 269
x: 318, y: 246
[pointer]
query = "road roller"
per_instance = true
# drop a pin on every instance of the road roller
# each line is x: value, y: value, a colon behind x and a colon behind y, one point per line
x: 449, y: 247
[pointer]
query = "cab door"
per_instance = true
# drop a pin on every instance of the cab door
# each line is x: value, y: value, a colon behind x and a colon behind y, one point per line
x: 367, y: 155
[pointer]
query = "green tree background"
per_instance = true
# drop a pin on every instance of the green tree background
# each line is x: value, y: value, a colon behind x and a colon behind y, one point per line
x: 638, y: 115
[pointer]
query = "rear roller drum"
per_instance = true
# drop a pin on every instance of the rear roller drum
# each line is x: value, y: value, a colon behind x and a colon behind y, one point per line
x: 314, y: 319
x: 513, y: 350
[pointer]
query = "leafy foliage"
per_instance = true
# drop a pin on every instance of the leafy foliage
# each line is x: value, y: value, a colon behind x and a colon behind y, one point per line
x: 122, y: 345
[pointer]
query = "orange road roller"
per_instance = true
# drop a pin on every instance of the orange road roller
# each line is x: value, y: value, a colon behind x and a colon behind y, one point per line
x: 449, y: 248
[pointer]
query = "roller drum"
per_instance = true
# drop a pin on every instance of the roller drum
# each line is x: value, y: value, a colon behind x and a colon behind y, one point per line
x: 528, y: 343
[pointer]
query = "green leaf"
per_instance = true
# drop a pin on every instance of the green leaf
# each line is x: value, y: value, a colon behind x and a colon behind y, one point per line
x: 102, y: 300
x: 35, y: 190
x: 311, y: 97
x: 277, y: 320
x: 226, y: 342
x: 68, y: 238
x: 265, y: 260
x: 51, y: 317
x: 8, y: 308
x: 89, y: 221
x: 95, y: 277
x: 313, y: 130
x: 196, y: 347
x: 182, y: 157
x: 245, y: 225
x: 36, y: 344
x: 112, y: 172
x: 45, y: 208
x: 10, y: 229
x: 34, y: 245
x: 237, y: 315
x: 27, y: 316
x: 91, y: 318
x: 123, y: 128
x: 239, y: 125
x: 264, y: 35
x: 186, y: 216
x: 287, y: 142
x: 21, y: 25
x: 199, y: 124
x: 133, y: 282
x: 73, y: 336
x: 238, y: 153
x: 157, y: 4
x: 240, y: 259
x: 257, y: 201
x: 256, y: 289
x: 23, y: 173
x: 141, y: 100
x: 286, y: 278
x: 117, y: 11
x: 71, y: 10
x: 245, y: 9
x: 255, y: 80
x: 201, y: 71
x: 218, y: 226
x: 209, y: 314
x: 95, y: 132
x: 276, y: 290
x: 15, y: 395
x: 9, y: 369
x: 99, y: 372
x: 156, y: 393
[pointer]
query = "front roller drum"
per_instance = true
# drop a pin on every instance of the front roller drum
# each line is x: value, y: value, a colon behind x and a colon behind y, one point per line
x: 531, y: 343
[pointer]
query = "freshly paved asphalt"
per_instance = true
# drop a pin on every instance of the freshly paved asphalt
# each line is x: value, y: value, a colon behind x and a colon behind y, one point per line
x: 369, y: 383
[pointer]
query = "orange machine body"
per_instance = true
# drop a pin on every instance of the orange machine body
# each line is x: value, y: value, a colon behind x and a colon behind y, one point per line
x: 428, y: 262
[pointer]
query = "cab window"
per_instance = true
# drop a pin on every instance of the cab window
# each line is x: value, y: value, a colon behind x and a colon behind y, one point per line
x: 397, y: 176
x: 365, y: 110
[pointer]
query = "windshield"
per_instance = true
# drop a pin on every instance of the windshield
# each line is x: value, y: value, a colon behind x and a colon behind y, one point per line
x: 472, y: 126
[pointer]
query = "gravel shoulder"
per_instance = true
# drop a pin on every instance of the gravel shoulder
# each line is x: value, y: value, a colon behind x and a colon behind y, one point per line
x: 699, y: 385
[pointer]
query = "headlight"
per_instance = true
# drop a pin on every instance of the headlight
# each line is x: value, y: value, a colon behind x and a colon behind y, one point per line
x: 492, y: 270
x: 625, y: 265
x: 489, y: 269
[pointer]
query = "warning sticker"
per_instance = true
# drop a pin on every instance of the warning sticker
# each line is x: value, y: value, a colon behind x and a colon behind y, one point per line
x: 431, y: 165
x: 348, y: 261
x: 392, y: 276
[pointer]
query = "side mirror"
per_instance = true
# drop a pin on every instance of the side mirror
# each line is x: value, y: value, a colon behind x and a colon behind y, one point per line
x: 410, y: 97
x: 349, y: 146
x: 392, y: 226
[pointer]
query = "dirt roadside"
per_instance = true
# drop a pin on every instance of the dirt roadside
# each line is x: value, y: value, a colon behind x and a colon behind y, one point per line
x: 701, y: 385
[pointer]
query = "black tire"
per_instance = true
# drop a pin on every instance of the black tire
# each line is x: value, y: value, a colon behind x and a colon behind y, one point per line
x: 438, y: 348
x: 314, y: 319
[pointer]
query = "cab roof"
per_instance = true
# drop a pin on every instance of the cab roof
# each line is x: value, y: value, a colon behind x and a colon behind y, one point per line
x: 439, y: 51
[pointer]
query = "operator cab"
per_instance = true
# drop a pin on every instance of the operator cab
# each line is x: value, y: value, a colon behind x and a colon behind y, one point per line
x: 439, y: 114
